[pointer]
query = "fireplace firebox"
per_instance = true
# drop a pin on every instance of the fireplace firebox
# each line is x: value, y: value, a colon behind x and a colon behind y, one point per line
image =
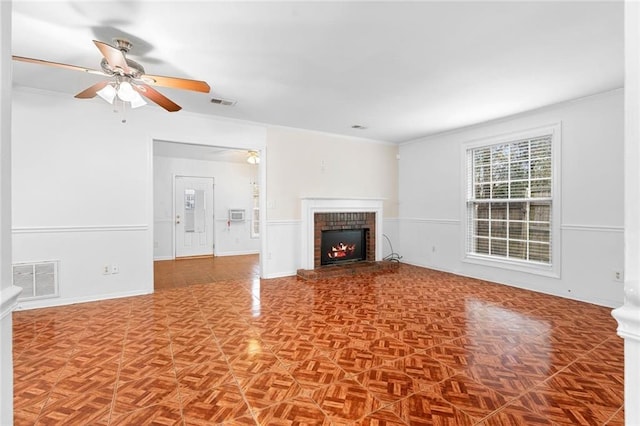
x: 363, y: 224
x: 342, y: 246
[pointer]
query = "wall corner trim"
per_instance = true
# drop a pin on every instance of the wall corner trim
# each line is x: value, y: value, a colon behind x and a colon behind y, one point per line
x: 8, y: 299
x: 628, y: 317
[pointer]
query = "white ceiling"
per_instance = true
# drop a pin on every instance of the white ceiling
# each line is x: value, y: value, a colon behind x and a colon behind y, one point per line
x: 402, y: 69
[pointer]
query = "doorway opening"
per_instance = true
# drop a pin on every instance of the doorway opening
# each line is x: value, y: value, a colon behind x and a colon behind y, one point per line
x: 195, y: 190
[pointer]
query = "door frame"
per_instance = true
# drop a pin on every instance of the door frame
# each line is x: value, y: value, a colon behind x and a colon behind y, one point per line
x: 260, y: 147
x: 173, y: 210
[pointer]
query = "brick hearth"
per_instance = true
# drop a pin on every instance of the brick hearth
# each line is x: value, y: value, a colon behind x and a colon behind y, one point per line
x: 348, y: 269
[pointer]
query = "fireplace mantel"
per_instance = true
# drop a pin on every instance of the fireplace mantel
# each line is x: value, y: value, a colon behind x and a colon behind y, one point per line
x: 310, y: 206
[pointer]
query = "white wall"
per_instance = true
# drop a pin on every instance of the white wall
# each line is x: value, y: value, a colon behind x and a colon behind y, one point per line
x: 83, y: 187
x: 318, y: 165
x: 233, y: 190
x: 592, y: 228
x: 312, y: 164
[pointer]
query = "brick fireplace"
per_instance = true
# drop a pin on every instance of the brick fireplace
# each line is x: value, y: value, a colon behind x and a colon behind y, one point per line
x: 339, y: 213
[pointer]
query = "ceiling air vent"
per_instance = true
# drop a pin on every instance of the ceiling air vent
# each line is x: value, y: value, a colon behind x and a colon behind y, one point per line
x: 224, y: 102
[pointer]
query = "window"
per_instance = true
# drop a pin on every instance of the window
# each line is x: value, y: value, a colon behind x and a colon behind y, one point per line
x: 255, y: 213
x: 510, y: 199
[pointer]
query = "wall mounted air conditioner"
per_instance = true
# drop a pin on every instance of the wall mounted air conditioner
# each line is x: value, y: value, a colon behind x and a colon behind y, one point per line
x: 236, y: 215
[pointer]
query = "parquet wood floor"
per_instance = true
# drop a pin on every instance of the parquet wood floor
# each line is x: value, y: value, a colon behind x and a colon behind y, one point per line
x: 204, y: 270
x: 410, y: 347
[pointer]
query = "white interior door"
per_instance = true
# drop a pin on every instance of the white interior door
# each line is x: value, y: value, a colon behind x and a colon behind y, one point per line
x: 194, y: 216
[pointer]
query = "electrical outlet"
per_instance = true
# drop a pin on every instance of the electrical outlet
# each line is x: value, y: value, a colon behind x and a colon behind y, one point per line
x: 618, y: 276
x: 106, y: 269
x: 115, y: 269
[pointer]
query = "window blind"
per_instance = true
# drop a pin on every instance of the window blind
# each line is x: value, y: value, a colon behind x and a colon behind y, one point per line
x: 509, y: 199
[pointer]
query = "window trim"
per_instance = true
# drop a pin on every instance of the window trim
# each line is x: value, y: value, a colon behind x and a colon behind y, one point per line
x: 255, y: 218
x: 554, y: 268
x: 255, y: 211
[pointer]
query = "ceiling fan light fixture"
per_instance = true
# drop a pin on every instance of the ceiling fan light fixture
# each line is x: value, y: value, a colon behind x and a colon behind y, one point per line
x: 108, y: 93
x: 126, y: 92
x: 253, y: 157
x: 115, y: 64
x: 137, y: 102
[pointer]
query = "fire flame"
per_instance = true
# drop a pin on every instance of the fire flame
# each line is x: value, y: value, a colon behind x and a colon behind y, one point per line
x: 341, y: 250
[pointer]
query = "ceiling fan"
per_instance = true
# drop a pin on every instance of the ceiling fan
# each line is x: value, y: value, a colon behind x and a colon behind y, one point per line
x: 129, y: 82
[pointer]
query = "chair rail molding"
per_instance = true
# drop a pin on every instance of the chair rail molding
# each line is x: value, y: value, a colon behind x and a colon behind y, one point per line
x: 87, y: 228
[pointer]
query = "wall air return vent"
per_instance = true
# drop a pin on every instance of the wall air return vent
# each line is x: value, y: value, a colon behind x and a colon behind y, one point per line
x: 39, y: 280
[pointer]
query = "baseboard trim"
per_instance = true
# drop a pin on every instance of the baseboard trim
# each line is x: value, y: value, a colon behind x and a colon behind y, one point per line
x: 279, y: 275
x: 237, y: 253
x: 201, y: 256
x: 593, y: 300
x: 50, y: 303
x: 163, y: 258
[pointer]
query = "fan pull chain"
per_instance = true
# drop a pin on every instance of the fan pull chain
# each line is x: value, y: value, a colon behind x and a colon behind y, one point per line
x: 124, y: 112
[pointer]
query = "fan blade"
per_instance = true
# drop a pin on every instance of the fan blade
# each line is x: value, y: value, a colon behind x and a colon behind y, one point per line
x: 177, y: 83
x: 57, y: 64
x: 115, y: 58
x: 156, y: 97
x: 90, y: 92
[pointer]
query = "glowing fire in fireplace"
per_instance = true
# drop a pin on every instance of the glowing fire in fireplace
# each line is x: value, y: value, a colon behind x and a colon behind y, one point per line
x: 341, y: 250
